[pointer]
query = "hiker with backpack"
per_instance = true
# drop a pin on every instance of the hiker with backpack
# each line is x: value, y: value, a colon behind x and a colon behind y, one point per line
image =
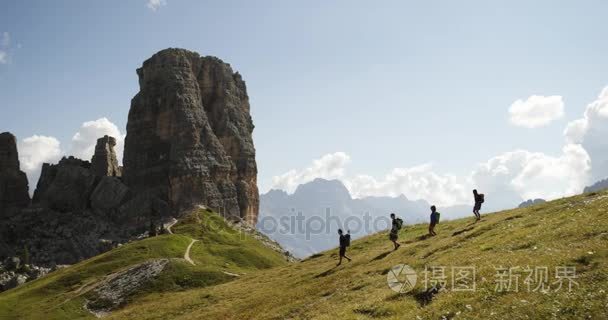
x: 434, y: 221
x: 397, y: 224
x: 479, y: 199
x: 344, y: 242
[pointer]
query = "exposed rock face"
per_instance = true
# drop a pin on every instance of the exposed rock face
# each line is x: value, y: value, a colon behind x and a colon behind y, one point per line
x: 189, y: 135
x: 598, y: 186
x: 116, y: 289
x: 13, y: 181
x: 76, y: 214
x: 531, y: 202
x: 104, y: 162
x: 65, y: 186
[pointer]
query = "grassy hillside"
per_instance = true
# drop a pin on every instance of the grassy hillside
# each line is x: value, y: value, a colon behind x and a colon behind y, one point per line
x: 566, y: 232
x: 220, y: 251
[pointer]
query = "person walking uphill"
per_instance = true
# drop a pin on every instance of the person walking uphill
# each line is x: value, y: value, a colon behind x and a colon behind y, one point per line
x: 479, y: 199
x: 344, y: 242
x: 397, y: 224
x: 434, y: 221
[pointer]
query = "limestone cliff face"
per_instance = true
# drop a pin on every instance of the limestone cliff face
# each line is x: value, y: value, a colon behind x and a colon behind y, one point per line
x: 13, y: 181
x: 189, y: 135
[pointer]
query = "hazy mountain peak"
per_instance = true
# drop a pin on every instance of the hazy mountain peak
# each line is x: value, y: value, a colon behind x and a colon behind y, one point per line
x: 323, y: 188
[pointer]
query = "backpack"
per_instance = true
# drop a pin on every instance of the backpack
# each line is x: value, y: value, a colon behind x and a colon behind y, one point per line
x: 399, y: 223
x: 437, y: 216
x: 481, y: 198
x: 347, y: 239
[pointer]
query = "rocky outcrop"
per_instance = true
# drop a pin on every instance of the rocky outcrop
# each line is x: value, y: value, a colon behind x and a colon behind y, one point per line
x: 13, y: 182
x: 188, y: 142
x: 189, y: 135
x: 598, y: 186
x: 104, y: 162
x: 117, y: 288
x: 65, y: 186
x: 531, y: 202
x: 13, y: 273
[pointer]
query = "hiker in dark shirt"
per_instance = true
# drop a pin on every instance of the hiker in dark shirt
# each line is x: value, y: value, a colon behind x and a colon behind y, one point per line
x: 434, y: 221
x: 479, y: 199
x: 397, y: 223
x: 344, y: 242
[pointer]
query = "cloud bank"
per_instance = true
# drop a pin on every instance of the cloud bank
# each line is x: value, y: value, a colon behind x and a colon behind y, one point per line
x: 591, y: 131
x: 536, y: 111
x: 507, y: 178
x: 33, y: 152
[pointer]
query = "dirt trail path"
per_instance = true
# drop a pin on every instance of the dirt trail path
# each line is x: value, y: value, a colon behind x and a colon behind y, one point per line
x: 169, y: 225
x: 187, y: 254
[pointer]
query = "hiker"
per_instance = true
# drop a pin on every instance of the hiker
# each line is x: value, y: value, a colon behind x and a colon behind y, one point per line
x: 434, y: 221
x: 394, y: 234
x: 344, y: 242
x: 479, y: 199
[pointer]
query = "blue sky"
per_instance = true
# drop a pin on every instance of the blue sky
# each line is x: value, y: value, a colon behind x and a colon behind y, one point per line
x: 391, y: 84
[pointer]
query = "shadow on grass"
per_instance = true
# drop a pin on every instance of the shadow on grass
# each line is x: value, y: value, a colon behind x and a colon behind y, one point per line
x: 314, y: 256
x: 423, y: 298
x: 326, y: 272
x: 514, y: 217
x: 382, y: 255
x: 462, y: 231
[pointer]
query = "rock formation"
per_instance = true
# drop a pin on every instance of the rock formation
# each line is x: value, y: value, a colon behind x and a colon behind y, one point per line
x: 104, y: 162
x: 189, y: 135
x: 77, y: 213
x: 531, y: 202
x: 598, y: 186
x: 65, y: 186
x: 188, y: 142
x: 13, y: 181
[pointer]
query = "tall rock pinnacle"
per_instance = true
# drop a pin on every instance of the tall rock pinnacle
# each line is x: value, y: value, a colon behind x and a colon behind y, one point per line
x: 104, y: 162
x: 13, y: 181
x: 189, y: 135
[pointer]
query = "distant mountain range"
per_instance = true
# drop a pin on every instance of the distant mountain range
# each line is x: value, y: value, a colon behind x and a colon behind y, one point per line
x: 598, y: 186
x: 531, y: 202
x: 306, y: 222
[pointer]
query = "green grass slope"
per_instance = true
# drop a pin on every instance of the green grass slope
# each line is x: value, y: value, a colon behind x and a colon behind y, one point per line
x: 566, y: 232
x: 220, y: 249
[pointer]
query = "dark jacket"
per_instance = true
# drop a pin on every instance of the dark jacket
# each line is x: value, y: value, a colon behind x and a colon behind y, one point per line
x: 343, y: 241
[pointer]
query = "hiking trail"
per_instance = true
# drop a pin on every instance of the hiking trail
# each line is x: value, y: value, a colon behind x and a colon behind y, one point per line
x: 187, y: 253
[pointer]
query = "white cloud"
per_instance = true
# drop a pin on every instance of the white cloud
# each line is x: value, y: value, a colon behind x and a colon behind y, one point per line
x: 3, y: 57
x: 330, y: 166
x: 419, y: 182
x: 591, y: 132
x: 33, y: 152
x: 155, y: 4
x: 84, y: 141
x: 536, y: 111
x: 529, y: 175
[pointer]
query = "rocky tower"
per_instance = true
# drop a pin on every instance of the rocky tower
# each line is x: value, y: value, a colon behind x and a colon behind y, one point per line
x: 189, y: 135
x: 104, y: 162
x: 13, y: 181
